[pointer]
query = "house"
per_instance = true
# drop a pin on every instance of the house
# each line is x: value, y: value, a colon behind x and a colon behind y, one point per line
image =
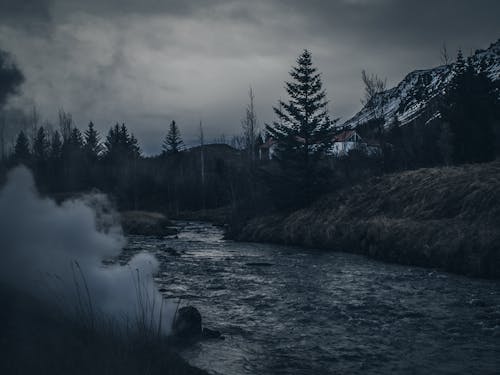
x: 343, y: 143
x: 267, y: 150
x: 349, y: 140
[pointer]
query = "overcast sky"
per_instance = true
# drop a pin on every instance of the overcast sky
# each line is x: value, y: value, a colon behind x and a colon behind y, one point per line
x: 148, y: 62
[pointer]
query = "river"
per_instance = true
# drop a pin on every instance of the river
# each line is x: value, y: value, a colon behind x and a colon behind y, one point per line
x: 286, y: 310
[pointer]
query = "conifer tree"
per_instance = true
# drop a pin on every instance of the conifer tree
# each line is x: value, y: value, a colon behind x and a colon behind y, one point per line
x: 92, y: 142
x: 303, y: 133
x: 470, y: 109
x: 173, y: 142
x: 22, y: 148
x: 55, y: 146
x: 74, y: 144
x: 134, y: 150
x: 303, y: 129
x: 120, y: 145
x: 41, y: 145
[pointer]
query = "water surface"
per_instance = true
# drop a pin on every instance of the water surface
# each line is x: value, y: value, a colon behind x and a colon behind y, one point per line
x: 286, y: 310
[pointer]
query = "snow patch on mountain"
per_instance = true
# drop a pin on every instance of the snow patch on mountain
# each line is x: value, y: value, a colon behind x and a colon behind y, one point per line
x: 414, y: 96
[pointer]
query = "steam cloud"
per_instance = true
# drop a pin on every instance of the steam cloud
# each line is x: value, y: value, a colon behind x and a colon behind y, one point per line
x: 56, y: 252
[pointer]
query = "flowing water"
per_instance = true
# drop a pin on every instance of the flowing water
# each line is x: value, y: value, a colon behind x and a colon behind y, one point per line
x: 285, y: 310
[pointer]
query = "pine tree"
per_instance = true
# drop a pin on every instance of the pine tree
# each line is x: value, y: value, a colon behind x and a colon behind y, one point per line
x: 92, y: 142
x: 303, y: 129
x: 302, y: 134
x: 22, y: 148
x: 41, y: 145
x: 470, y: 109
x: 76, y: 139
x: 120, y: 145
x: 55, y: 146
x: 134, y: 150
x: 173, y: 142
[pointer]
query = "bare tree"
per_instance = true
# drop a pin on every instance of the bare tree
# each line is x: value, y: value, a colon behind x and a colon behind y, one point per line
x: 202, y: 157
x: 221, y: 139
x: 445, y: 57
x: 238, y: 142
x: 374, y: 85
x: 250, y: 126
x: 33, y: 122
x: 3, y: 129
x: 65, y: 124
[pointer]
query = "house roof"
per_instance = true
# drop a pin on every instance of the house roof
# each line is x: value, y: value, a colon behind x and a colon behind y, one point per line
x: 344, y: 136
x: 268, y: 143
x: 272, y: 141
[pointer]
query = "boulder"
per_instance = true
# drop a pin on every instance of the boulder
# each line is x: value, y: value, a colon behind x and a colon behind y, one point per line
x: 146, y: 223
x: 208, y: 333
x: 187, y: 323
x: 171, y: 251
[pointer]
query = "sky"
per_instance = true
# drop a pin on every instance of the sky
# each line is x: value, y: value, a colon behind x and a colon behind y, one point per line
x: 148, y: 62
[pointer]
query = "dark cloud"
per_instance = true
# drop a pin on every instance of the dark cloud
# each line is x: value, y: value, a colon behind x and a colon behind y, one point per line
x: 11, y: 77
x: 32, y: 15
x: 118, y: 60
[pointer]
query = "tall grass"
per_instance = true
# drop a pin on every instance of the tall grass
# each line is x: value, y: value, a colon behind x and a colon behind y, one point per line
x: 439, y: 217
x: 73, y: 336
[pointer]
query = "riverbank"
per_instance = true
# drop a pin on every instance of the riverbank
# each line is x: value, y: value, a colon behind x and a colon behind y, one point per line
x: 38, y: 339
x: 446, y: 218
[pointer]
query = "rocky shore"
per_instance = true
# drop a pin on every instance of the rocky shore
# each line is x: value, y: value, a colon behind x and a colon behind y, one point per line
x: 447, y: 218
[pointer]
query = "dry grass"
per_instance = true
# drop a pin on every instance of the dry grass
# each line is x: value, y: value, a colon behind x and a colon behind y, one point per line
x: 438, y: 217
x: 37, y: 339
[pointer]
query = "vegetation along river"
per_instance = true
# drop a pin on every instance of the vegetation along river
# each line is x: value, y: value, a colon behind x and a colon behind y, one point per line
x: 287, y: 310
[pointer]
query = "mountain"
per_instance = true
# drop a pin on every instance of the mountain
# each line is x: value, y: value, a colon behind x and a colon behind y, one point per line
x: 414, y: 98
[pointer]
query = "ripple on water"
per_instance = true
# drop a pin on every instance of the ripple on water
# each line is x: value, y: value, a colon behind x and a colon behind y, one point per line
x: 297, y: 311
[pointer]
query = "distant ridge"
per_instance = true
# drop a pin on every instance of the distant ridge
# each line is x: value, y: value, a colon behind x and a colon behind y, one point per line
x: 415, y: 96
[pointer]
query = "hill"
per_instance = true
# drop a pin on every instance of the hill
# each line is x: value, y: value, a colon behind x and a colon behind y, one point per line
x: 447, y: 218
x: 414, y: 98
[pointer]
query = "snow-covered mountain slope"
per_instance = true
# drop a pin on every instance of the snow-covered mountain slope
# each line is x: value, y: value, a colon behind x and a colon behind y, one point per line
x: 414, y: 96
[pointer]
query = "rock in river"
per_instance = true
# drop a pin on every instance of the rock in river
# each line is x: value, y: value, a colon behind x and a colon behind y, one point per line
x: 146, y: 223
x: 187, y: 323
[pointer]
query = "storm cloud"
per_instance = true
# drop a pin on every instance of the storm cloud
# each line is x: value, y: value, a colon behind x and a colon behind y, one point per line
x: 148, y: 62
x: 10, y: 77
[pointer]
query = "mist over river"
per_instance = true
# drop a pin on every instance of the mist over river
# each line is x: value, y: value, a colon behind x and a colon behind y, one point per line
x: 285, y: 310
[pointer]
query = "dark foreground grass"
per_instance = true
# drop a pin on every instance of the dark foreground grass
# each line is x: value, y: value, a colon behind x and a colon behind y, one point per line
x: 446, y: 218
x: 36, y: 339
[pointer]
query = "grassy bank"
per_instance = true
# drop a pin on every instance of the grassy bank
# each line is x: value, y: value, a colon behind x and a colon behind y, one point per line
x: 446, y: 218
x: 37, y: 339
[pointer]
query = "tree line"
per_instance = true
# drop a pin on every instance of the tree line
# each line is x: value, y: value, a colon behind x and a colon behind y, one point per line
x: 210, y: 176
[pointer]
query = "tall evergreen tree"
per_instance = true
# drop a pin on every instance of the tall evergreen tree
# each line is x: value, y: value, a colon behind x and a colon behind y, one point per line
x: 303, y: 132
x: 303, y: 129
x: 471, y: 110
x: 134, y: 150
x: 22, y: 148
x: 120, y: 145
x: 55, y: 146
x: 73, y: 145
x: 41, y: 145
x: 173, y: 142
x: 92, y: 142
